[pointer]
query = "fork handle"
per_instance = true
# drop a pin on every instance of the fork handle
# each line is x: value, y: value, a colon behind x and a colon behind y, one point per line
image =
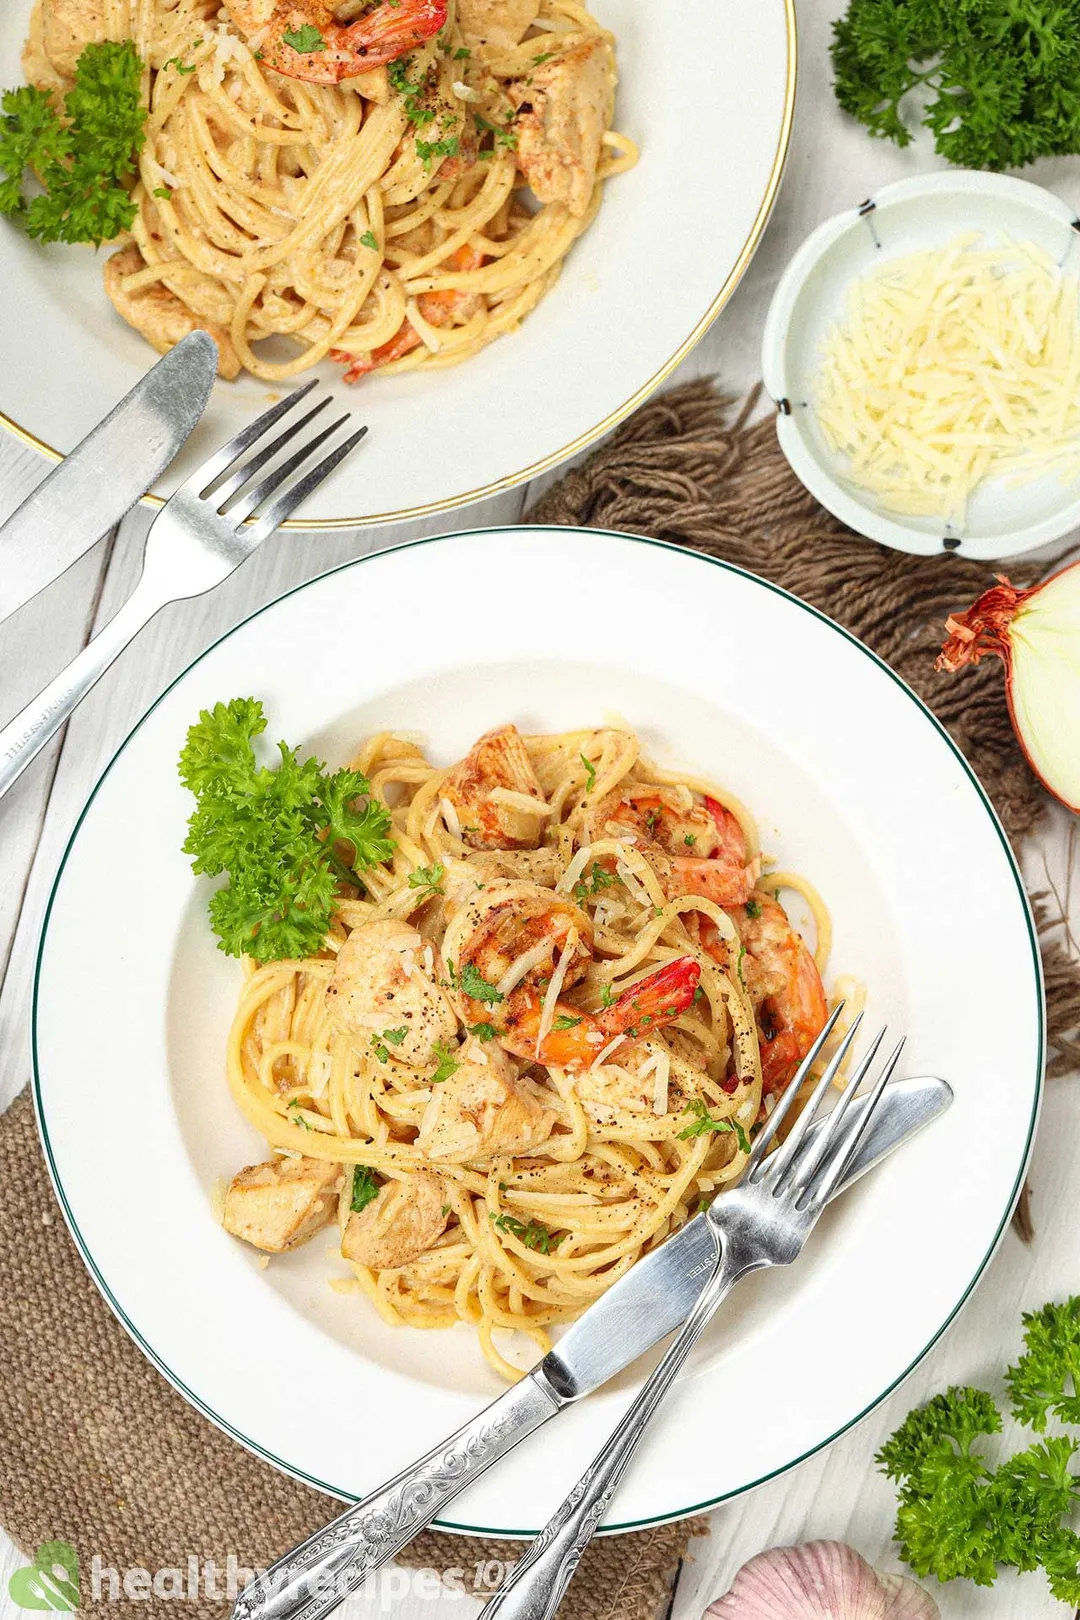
x: 23, y: 738
x: 317, y: 1575
x: 535, y: 1587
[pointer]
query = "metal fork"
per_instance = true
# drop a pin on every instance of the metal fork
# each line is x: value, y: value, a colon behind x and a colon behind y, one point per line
x: 762, y: 1222
x: 198, y: 539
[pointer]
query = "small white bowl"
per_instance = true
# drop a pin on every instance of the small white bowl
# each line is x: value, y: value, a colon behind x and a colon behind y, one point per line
x: 911, y: 215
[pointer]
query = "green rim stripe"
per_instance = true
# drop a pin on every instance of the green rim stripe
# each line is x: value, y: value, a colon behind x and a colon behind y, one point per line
x: 680, y: 551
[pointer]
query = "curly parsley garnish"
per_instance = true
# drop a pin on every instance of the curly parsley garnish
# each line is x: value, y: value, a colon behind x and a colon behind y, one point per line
x: 85, y: 160
x: 274, y: 832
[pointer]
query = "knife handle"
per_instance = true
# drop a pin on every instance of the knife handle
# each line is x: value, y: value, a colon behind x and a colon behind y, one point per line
x: 537, y: 1583
x: 317, y: 1575
x: 23, y: 738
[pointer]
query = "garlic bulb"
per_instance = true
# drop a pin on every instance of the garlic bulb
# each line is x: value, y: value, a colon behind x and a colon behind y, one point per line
x: 821, y: 1580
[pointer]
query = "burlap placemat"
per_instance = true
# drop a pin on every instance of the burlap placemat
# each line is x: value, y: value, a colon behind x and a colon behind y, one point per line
x: 96, y: 1450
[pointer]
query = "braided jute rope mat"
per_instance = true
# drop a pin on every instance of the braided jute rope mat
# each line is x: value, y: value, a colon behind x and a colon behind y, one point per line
x: 95, y: 1448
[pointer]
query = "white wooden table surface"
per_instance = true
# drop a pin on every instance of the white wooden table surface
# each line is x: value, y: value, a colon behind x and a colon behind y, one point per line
x: 837, y: 1494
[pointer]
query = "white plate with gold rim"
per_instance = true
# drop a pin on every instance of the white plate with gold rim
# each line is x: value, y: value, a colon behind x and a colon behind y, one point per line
x: 854, y: 783
x: 670, y: 243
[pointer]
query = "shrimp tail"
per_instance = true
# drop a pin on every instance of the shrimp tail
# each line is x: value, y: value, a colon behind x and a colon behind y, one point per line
x: 653, y: 1001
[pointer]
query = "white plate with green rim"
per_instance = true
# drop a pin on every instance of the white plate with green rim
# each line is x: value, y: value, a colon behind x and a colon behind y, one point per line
x: 669, y: 245
x: 854, y: 783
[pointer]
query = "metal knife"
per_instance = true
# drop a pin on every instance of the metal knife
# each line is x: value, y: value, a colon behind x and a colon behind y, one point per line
x: 103, y: 477
x: 652, y: 1300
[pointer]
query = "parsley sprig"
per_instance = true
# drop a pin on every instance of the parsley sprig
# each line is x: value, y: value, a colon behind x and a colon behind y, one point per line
x: 958, y: 1515
x: 274, y: 832
x: 85, y: 160
x: 1002, y: 79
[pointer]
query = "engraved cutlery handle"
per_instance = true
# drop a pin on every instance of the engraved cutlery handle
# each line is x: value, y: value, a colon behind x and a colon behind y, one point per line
x: 312, y: 1579
x: 535, y: 1586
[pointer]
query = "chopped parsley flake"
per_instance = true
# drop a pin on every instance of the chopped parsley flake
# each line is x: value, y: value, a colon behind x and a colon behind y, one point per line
x: 427, y: 152
x: 365, y: 1187
x: 753, y: 908
x: 474, y: 985
x: 369, y: 240
x: 305, y: 40
x: 590, y: 772
x: 564, y: 1021
x: 427, y: 877
x: 447, y: 1063
x: 535, y: 1235
x: 483, y: 1032
x: 703, y: 1123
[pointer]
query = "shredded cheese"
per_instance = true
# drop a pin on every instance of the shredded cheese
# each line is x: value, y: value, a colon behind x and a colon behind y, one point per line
x: 573, y: 872
x: 450, y: 816
x: 952, y: 366
x: 520, y: 801
x: 523, y: 965
x: 554, y: 989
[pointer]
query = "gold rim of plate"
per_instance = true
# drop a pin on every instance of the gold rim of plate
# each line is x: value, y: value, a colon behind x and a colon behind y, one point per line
x: 512, y: 480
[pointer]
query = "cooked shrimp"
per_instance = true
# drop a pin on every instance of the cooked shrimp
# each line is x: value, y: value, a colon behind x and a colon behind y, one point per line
x: 484, y: 1108
x: 486, y: 788
x: 694, y: 847
x: 504, y: 947
x: 281, y: 1203
x: 782, y: 981
x: 381, y: 995
x: 304, y: 40
x: 400, y: 1224
x: 452, y: 306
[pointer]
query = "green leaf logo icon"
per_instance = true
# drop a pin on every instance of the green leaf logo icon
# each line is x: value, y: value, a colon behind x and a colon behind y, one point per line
x: 51, y: 1581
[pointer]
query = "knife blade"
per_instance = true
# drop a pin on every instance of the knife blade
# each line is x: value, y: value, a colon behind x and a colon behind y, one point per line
x: 660, y: 1290
x: 103, y: 477
x: 312, y: 1579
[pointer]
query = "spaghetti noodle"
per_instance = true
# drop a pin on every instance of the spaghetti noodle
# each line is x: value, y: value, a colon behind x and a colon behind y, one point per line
x: 535, y: 1040
x: 383, y: 221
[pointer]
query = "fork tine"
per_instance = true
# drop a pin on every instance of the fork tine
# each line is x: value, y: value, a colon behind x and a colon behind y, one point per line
x: 204, y: 476
x: 788, y: 1095
x: 848, y: 1141
x: 814, y: 1157
x: 783, y: 1159
x: 244, y: 507
x: 290, y: 499
x: 244, y: 474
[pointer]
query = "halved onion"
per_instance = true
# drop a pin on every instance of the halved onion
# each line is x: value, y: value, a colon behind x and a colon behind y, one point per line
x: 1036, y: 634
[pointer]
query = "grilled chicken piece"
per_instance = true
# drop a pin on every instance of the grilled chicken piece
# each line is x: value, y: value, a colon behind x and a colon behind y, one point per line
x: 502, y: 23
x: 159, y: 315
x: 497, y: 762
x: 67, y: 27
x: 379, y: 985
x: 562, y: 112
x: 483, y: 1109
x: 399, y: 1225
x: 280, y: 1204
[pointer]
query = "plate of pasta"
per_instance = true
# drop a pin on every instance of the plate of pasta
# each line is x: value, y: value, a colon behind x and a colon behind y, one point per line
x: 465, y: 995
x: 468, y: 210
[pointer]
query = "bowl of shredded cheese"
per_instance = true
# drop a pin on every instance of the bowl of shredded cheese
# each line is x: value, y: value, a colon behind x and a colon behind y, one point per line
x: 923, y: 352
